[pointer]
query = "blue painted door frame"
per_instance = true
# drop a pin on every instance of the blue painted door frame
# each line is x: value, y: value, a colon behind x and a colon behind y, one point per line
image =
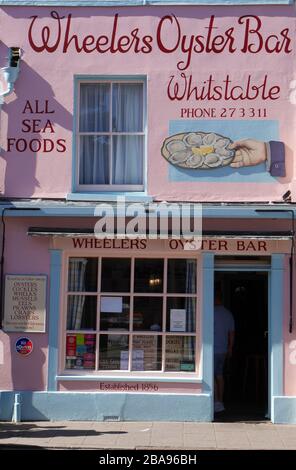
x: 275, y: 323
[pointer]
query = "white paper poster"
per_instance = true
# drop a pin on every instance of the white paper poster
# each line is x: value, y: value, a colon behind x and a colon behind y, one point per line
x: 138, y: 359
x: 111, y: 304
x: 178, y: 319
x: 123, y: 360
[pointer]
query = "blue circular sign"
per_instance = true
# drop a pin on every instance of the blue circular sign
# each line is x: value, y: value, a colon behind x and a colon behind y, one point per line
x: 24, y: 346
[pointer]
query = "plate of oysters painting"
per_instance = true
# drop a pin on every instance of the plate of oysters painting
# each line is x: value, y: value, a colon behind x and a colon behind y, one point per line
x: 198, y: 150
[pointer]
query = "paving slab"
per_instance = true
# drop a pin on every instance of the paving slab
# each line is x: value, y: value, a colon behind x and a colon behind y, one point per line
x: 148, y: 435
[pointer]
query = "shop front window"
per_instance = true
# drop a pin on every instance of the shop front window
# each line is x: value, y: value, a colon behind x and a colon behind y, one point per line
x: 131, y: 314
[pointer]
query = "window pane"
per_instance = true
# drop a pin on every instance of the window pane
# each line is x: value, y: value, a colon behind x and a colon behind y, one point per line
x: 181, y: 312
x: 149, y: 275
x: 82, y: 312
x: 147, y: 352
x: 180, y: 353
x: 80, y: 351
x: 147, y: 314
x: 182, y: 276
x: 114, y: 313
x: 127, y: 107
x: 113, y: 352
x: 83, y: 274
x: 128, y: 154
x: 94, y: 159
x: 94, y: 107
x: 116, y: 273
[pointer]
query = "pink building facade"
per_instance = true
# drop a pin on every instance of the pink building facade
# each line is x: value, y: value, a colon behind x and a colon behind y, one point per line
x: 172, y: 123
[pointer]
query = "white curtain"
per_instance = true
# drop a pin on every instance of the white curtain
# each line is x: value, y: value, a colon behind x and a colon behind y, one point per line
x: 94, y: 117
x: 76, y: 283
x: 127, y: 150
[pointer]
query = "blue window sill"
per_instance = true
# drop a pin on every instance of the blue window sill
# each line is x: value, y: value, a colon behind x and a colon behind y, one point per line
x: 109, y: 197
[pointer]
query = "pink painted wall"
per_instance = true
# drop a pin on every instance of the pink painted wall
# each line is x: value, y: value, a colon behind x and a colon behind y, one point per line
x: 50, y: 76
x: 289, y: 340
x: 24, y: 255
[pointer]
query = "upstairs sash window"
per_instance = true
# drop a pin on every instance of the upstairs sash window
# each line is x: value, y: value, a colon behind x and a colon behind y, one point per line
x: 111, y: 136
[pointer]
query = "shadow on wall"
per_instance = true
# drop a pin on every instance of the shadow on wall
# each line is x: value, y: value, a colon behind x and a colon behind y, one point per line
x: 30, y: 140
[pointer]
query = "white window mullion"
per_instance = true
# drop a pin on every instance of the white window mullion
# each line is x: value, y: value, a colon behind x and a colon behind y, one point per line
x: 131, y: 314
x: 98, y: 312
x: 164, y: 306
x: 111, y: 136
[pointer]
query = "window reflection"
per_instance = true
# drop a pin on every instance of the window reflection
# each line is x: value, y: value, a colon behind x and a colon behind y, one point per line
x: 149, y: 275
x: 147, y: 313
x: 116, y: 273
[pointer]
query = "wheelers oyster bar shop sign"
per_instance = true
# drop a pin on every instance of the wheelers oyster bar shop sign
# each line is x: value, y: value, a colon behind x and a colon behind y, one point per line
x: 218, y: 120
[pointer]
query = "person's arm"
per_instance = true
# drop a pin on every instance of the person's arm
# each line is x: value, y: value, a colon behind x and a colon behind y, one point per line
x: 275, y: 161
x: 250, y: 152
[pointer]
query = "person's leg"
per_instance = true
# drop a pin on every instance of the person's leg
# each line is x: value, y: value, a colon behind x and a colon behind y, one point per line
x: 216, y: 372
x: 220, y: 388
x: 219, y: 382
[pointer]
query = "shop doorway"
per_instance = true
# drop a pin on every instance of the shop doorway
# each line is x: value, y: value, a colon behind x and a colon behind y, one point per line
x: 245, y: 294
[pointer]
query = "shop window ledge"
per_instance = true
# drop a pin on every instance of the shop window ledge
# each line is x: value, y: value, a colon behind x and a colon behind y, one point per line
x: 127, y: 378
x: 109, y: 197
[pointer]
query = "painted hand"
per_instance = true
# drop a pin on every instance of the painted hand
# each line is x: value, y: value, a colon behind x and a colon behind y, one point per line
x: 248, y: 152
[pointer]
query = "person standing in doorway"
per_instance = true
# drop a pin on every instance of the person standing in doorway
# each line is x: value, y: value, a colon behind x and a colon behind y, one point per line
x: 223, y: 345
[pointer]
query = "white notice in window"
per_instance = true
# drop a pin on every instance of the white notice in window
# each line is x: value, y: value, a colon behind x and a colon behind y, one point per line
x: 111, y: 304
x: 178, y: 319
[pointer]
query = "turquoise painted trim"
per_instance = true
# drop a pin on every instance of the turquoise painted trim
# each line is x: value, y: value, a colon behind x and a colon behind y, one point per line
x: 269, y: 399
x: 74, y: 127
x: 93, y: 406
x: 77, y: 194
x: 85, y: 3
x: 276, y: 329
x: 88, y: 211
x: 105, y: 197
x: 54, y: 317
x: 129, y: 78
x: 208, y: 325
x: 6, y: 405
x: 128, y: 378
x: 284, y: 410
x: 242, y: 269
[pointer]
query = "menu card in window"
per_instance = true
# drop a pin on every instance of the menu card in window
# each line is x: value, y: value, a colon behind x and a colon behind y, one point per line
x: 111, y: 304
x: 147, y: 358
x: 25, y: 303
x: 174, y: 350
x: 177, y: 319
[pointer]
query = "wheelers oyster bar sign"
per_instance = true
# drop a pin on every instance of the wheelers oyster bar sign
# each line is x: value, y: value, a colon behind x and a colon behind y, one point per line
x: 221, y: 245
x: 218, y: 119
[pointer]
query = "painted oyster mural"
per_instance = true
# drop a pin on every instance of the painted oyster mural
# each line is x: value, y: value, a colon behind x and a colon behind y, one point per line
x: 201, y: 150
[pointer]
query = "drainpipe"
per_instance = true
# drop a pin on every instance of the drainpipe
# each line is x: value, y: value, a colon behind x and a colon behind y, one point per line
x: 11, y: 72
x: 16, y: 415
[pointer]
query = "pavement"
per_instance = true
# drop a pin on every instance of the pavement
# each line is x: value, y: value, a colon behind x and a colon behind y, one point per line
x: 147, y: 435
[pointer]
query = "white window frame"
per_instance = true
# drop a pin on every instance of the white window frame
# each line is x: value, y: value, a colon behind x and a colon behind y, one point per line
x: 64, y: 372
x: 110, y: 187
